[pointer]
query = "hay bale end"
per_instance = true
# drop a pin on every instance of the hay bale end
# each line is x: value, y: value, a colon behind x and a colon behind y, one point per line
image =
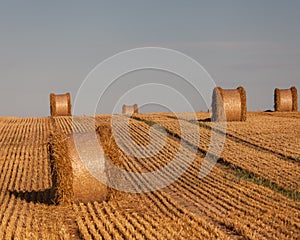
x: 229, y: 104
x: 71, y: 181
x: 60, y: 104
x: 286, y: 100
x: 130, y: 109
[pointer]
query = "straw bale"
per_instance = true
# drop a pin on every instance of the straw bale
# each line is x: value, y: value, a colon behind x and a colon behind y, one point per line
x: 71, y: 181
x: 286, y: 100
x: 60, y: 104
x: 229, y: 104
x: 130, y: 109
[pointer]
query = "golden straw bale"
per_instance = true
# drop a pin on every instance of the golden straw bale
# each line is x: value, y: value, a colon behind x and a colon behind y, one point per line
x: 72, y: 182
x: 60, y: 104
x: 295, y: 99
x: 286, y: 100
x: 85, y: 186
x: 61, y: 169
x: 229, y: 104
x: 130, y: 109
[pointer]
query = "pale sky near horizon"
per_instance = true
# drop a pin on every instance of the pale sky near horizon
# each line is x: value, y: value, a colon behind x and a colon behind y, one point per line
x: 51, y: 46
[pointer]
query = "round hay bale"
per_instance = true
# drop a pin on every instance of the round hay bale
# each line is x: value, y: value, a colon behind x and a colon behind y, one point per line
x: 61, y: 169
x: 60, y: 104
x: 130, y: 109
x: 86, y: 187
x: 71, y: 181
x: 229, y: 104
x: 286, y: 100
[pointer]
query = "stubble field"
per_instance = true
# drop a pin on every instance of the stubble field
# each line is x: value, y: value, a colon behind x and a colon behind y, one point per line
x: 253, y: 192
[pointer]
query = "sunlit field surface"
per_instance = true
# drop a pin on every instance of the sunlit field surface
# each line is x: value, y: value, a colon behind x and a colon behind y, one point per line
x: 253, y: 192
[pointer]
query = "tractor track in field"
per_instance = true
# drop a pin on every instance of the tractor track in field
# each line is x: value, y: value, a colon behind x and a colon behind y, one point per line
x: 221, y: 206
x: 244, y: 142
x: 250, y: 144
x: 240, y: 170
x: 187, y: 190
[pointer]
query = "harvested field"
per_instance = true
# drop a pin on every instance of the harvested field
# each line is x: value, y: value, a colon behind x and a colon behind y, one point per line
x: 253, y: 191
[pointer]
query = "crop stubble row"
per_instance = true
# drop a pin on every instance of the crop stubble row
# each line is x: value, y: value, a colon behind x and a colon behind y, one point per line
x: 231, y: 201
x: 275, y: 132
x: 25, y: 180
x: 161, y: 218
x: 21, y: 170
x: 274, y: 168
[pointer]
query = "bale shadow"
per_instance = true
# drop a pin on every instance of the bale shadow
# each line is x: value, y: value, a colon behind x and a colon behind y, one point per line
x: 44, y: 196
x: 205, y: 120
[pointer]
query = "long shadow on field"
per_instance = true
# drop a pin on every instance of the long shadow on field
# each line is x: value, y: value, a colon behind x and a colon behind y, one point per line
x: 241, y: 141
x: 239, y: 172
x: 44, y: 196
x: 205, y: 120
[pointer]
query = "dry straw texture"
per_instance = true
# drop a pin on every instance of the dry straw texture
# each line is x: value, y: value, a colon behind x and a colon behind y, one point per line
x: 229, y: 104
x: 60, y: 104
x: 61, y: 169
x: 286, y: 100
x: 295, y: 99
x: 72, y: 182
x: 85, y: 186
x: 127, y: 109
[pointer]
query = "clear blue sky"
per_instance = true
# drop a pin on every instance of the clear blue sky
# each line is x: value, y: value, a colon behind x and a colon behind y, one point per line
x: 50, y: 46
